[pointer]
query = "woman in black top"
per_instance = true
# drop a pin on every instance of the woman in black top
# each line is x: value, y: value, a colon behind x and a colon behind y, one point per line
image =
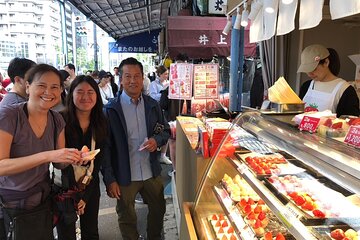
x: 84, y: 120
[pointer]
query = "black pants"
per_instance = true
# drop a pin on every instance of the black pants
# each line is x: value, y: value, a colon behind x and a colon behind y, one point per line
x: 2, y: 229
x: 88, y: 221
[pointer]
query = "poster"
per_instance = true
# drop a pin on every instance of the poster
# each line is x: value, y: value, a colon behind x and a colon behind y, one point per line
x: 181, y: 77
x: 206, y: 81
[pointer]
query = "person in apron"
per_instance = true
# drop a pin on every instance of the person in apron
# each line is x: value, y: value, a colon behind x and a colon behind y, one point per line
x: 326, y: 91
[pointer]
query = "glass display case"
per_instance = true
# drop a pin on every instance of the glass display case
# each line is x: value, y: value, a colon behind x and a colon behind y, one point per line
x: 270, y: 181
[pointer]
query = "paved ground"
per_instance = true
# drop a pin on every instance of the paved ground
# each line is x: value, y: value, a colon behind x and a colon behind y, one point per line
x: 108, y: 226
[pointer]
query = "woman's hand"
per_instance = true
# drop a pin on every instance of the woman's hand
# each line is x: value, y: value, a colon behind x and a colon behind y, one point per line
x: 66, y: 155
x: 80, y: 207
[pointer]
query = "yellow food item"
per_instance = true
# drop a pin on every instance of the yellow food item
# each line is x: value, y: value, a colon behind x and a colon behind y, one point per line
x: 351, y: 233
x: 91, y: 155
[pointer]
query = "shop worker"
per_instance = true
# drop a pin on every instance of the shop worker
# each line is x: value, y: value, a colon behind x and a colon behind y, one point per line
x: 131, y: 162
x: 326, y: 91
x: 16, y: 71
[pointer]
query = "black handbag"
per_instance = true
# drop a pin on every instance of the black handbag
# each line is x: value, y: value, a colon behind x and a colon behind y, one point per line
x: 35, y: 224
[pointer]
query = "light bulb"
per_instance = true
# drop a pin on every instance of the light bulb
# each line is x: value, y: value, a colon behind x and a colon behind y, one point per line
x: 269, y: 6
x: 227, y: 26
x: 287, y: 1
x: 244, y: 18
x: 237, y: 23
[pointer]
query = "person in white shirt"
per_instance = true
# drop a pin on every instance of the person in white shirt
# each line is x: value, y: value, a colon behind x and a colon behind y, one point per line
x: 105, y: 87
x: 146, y: 87
x: 161, y: 82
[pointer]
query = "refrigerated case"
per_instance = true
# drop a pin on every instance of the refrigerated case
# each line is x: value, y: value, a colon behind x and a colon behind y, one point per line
x: 303, y: 186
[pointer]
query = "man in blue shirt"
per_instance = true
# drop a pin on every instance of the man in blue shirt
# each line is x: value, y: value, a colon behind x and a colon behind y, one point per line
x: 131, y: 164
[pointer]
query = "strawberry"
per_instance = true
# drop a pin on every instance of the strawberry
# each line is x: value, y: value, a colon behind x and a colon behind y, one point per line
x: 279, y: 236
x: 262, y: 216
x: 268, y: 236
x: 214, y: 217
x: 230, y: 230
x: 336, y: 125
x: 319, y: 214
x: 311, y: 108
x: 328, y: 122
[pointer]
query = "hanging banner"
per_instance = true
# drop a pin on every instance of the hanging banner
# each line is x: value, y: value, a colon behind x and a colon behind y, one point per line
x: 206, y: 81
x: 181, y: 77
x: 145, y: 42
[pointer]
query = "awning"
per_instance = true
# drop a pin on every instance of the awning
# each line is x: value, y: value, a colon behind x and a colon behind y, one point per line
x: 201, y: 37
x: 146, y: 42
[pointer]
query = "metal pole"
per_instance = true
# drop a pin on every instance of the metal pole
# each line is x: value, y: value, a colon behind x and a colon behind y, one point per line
x: 96, y: 66
x: 64, y: 33
x: 236, y: 68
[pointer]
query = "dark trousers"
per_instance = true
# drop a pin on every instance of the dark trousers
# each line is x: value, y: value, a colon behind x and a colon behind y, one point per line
x: 152, y: 191
x: 2, y: 229
x: 88, y: 221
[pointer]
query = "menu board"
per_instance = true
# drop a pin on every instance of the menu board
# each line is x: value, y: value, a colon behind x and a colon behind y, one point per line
x: 181, y: 76
x: 206, y: 81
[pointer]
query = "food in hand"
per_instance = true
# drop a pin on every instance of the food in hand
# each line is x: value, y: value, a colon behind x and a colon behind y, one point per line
x: 88, y: 155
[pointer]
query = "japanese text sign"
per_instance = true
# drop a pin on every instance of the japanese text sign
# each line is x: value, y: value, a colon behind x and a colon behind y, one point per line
x: 181, y: 76
x: 309, y: 124
x: 353, y: 136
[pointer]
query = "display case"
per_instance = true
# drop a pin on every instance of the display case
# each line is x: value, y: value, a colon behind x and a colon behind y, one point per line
x: 268, y: 181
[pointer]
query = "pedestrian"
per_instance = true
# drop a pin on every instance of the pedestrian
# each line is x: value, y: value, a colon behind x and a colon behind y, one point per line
x: 105, y: 87
x: 85, y: 126
x: 131, y: 163
x: 30, y: 133
x: 161, y: 82
x: 16, y: 71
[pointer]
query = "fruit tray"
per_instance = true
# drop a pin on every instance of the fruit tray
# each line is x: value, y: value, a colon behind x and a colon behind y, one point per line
x: 313, y: 202
x: 263, y: 166
x: 336, y: 232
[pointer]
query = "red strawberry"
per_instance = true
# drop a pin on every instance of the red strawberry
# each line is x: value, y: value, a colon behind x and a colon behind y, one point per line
x: 230, y: 230
x: 214, y: 217
x: 328, y: 122
x: 268, y: 236
x: 299, y: 200
x: 319, y: 214
x: 336, y: 125
x: 311, y: 108
x: 224, y: 224
x: 262, y: 216
x: 279, y: 236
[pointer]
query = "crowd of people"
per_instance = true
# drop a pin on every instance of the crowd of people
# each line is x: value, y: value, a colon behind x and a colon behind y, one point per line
x: 47, y: 118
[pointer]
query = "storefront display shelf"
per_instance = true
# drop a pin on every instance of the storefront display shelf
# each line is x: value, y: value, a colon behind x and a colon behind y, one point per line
x: 324, y: 159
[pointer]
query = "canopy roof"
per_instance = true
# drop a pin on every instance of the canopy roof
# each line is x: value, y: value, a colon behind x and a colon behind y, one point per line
x: 120, y: 18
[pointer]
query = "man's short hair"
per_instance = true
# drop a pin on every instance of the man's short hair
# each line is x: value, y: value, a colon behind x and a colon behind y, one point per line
x: 130, y: 61
x: 70, y: 66
x: 18, y: 67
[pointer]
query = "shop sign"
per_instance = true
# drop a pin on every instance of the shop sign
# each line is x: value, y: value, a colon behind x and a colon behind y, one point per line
x: 353, y: 136
x: 146, y: 42
x: 217, y: 6
x: 206, y: 81
x: 309, y: 124
x: 181, y: 77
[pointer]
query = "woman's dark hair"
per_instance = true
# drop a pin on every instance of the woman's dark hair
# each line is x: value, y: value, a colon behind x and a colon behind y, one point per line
x: 160, y: 70
x: 39, y: 70
x: 98, y: 121
x: 64, y: 75
x: 334, y: 61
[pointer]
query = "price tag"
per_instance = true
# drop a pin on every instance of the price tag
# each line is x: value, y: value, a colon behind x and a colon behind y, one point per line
x: 309, y: 124
x: 242, y: 168
x: 353, y: 136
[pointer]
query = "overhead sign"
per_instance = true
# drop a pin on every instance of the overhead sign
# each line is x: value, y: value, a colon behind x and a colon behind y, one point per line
x: 145, y: 42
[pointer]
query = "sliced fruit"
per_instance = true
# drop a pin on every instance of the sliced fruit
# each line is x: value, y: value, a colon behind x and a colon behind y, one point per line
x: 337, y: 234
x: 318, y: 213
x: 268, y: 236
